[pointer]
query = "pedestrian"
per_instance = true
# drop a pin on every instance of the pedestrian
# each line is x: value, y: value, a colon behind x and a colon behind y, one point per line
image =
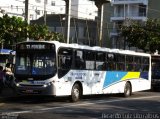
x: 9, y: 78
x: 8, y: 69
x: 2, y: 75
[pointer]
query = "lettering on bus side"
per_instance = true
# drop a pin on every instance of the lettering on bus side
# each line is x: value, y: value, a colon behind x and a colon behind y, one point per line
x: 78, y: 75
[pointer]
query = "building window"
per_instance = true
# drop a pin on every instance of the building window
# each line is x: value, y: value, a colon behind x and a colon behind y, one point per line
x: 17, y: 8
x: 46, y: 1
x: 61, y: 9
x: 142, y: 10
x: 38, y: 1
x: 11, y: 7
x: 53, y: 3
x: 31, y: 16
x: 38, y: 12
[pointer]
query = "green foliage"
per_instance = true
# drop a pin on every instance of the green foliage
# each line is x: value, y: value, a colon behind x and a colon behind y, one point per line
x: 145, y: 36
x: 14, y: 30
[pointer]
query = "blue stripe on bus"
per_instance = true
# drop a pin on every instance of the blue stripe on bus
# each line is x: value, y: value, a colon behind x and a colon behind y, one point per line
x: 115, y: 76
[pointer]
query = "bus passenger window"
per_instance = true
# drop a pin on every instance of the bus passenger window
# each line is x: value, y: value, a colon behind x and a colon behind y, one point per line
x: 145, y: 65
x: 64, y: 61
x: 111, y: 61
x: 120, y: 62
x: 137, y: 64
x: 65, y: 58
x: 129, y: 63
x: 100, y: 61
x: 79, y: 61
x: 90, y: 60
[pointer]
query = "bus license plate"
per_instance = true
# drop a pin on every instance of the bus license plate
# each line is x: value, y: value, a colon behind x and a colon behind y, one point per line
x: 29, y: 91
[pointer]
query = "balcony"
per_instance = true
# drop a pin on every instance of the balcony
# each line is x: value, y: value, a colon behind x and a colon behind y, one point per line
x: 114, y: 32
x: 139, y: 18
x: 131, y: 16
x: 117, y: 2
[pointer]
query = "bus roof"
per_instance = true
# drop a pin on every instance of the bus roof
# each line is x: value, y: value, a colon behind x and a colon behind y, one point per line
x: 97, y: 48
x: 7, y: 51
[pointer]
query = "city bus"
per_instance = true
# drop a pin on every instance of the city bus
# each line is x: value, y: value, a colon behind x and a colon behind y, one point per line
x: 155, y: 82
x: 60, y: 69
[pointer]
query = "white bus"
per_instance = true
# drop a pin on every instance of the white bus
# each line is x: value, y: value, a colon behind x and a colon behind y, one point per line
x: 59, y: 69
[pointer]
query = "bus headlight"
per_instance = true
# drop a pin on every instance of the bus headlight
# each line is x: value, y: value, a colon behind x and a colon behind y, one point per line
x: 48, y: 84
x: 17, y: 84
x: 45, y: 85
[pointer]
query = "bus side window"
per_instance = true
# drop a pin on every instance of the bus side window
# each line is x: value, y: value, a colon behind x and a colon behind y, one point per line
x: 100, y: 61
x: 137, y: 64
x: 90, y: 60
x: 145, y: 64
x: 79, y: 61
x: 120, y: 61
x: 64, y: 61
x: 111, y: 61
x: 129, y: 63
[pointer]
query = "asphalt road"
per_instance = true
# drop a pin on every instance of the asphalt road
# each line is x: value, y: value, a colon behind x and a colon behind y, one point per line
x: 141, y: 105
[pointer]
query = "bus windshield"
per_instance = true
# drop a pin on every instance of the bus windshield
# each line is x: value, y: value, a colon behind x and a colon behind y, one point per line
x: 35, y: 63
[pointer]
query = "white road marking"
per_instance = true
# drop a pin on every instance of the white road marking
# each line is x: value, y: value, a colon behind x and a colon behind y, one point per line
x: 81, y: 104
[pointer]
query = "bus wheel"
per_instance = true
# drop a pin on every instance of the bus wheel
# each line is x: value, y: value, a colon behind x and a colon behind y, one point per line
x: 76, y: 93
x: 127, y: 90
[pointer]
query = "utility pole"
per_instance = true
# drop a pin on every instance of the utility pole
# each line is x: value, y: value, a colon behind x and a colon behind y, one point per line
x: 45, y: 2
x: 27, y: 15
x: 27, y: 11
x: 99, y: 4
x: 68, y: 17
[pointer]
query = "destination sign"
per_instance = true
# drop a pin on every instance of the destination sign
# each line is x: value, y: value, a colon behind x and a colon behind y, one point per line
x: 34, y: 46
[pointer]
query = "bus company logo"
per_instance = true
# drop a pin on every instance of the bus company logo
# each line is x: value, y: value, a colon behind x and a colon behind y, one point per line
x: 78, y: 74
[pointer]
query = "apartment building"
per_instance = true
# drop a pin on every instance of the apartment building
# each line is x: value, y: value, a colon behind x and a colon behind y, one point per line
x: 79, y: 8
x: 125, y: 11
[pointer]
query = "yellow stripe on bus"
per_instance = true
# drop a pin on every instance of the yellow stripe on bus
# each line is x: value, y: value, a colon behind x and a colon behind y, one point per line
x: 131, y: 75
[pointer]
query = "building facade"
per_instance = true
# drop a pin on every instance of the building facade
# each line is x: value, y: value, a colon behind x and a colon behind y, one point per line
x: 82, y: 31
x: 125, y: 11
x: 79, y: 8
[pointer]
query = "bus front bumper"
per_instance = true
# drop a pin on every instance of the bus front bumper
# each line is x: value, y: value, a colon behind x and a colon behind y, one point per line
x: 35, y: 89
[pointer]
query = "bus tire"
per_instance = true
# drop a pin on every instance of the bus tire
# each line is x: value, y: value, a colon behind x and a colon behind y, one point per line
x: 76, y: 93
x: 127, y: 89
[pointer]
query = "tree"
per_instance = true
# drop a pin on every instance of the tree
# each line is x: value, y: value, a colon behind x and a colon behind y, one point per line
x: 145, y: 36
x: 37, y: 32
x: 14, y: 30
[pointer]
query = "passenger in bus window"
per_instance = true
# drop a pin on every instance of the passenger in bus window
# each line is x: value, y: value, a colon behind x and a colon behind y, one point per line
x: 104, y: 66
x: 66, y: 62
x: 79, y: 63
